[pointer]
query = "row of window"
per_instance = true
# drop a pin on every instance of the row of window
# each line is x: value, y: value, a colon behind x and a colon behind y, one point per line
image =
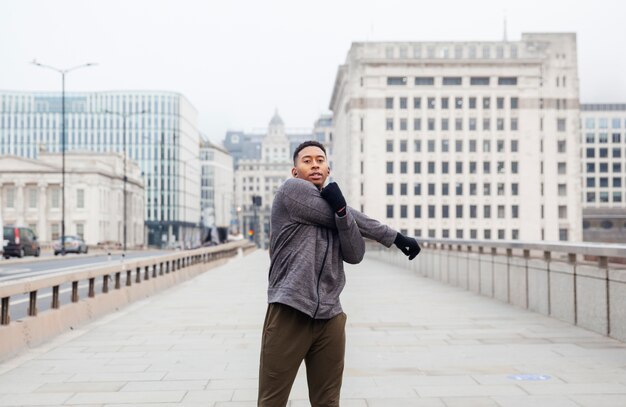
x: 603, y: 182
x: 451, y: 81
x: 472, y: 167
x: 445, y: 102
x: 500, y: 146
x: 445, y: 188
x: 603, y: 152
x: 603, y: 196
x: 85, y: 121
x: 604, y: 167
x: 32, y: 198
x: 456, y: 51
x: 473, y: 234
x: 447, y: 211
x: 603, y: 123
x: 603, y: 138
x: 445, y: 124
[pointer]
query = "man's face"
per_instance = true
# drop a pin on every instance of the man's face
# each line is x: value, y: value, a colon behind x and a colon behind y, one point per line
x: 312, y: 166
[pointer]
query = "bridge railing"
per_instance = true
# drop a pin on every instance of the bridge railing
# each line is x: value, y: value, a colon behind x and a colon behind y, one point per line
x: 109, y: 287
x: 580, y: 283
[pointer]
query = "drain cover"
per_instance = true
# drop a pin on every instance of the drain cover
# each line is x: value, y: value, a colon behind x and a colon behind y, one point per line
x: 529, y: 377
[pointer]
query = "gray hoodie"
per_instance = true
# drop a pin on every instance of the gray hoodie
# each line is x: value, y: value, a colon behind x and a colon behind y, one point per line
x: 308, y: 245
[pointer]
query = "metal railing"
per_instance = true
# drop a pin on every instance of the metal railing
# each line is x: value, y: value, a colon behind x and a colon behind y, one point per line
x: 581, y: 283
x: 110, y: 277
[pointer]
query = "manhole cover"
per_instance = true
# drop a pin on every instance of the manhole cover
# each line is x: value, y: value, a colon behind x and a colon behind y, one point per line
x: 529, y: 377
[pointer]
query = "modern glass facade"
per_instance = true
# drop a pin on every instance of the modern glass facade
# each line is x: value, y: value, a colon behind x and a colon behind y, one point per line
x: 161, y: 135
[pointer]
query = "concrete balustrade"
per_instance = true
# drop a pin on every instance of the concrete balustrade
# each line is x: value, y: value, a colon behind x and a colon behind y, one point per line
x: 120, y: 284
x: 553, y: 279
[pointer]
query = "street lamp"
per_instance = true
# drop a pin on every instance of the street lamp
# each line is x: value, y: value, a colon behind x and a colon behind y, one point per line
x: 63, y: 72
x: 124, y: 116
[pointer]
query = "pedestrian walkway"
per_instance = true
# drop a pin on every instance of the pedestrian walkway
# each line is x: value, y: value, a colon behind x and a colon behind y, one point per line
x: 411, y: 342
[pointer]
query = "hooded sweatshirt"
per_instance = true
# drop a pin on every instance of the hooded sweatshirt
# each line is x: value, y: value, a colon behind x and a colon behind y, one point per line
x: 308, y: 245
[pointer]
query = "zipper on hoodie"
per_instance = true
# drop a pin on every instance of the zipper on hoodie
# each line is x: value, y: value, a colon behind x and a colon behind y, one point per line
x: 319, y: 275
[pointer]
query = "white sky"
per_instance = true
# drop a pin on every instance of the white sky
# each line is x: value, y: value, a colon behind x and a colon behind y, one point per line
x: 238, y: 60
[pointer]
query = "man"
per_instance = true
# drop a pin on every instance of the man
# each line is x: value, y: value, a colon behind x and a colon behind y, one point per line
x: 313, y: 232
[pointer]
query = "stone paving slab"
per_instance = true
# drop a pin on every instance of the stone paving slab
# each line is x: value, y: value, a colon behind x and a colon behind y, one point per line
x: 410, y: 342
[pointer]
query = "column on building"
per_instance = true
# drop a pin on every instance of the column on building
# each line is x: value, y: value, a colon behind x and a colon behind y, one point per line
x: 20, y: 206
x: 42, y: 216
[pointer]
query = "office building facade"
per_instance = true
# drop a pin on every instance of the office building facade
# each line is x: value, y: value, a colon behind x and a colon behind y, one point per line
x: 160, y: 134
x: 474, y: 140
x: 604, y: 172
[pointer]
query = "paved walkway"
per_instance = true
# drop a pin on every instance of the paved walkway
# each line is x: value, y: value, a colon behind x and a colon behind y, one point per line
x: 411, y: 342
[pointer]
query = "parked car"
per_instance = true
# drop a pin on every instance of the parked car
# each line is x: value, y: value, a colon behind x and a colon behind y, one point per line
x: 19, y: 242
x: 73, y: 244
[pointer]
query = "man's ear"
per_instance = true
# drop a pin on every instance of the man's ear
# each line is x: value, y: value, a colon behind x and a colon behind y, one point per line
x: 294, y: 172
x: 328, y: 170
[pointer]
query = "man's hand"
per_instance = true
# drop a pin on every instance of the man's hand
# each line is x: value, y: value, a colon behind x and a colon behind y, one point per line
x: 408, y: 245
x: 332, y: 194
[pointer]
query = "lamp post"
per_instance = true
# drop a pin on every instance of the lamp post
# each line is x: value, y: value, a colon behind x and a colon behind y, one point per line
x: 124, y: 116
x: 63, y: 72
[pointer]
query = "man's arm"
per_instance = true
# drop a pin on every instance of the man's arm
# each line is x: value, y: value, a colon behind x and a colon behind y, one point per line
x: 373, y: 229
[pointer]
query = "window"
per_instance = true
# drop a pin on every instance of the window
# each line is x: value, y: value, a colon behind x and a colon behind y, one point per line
x: 514, y: 189
x: 389, y: 211
x: 396, y: 80
x: 452, y: 81
x: 417, y: 211
x: 514, y: 167
x: 431, y: 103
x: 403, y: 167
x: 472, y: 188
x: 389, y: 124
x: 560, y: 124
x: 500, y: 187
x: 514, y: 103
x: 500, y: 103
x: 417, y: 124
x: 10, y: 197
x: 417, y: 167
x: 403, y: 211
x: 80, y: 230
x: 479, y: 81
x: 487, y: 234
x: 486, y: 124
x: 417, y: 189
x: 458, y: 146
x: 444, y: 124
x: 424, y: 81
x: 591, y: 152
x: 563, y: 234
x: 389, y: 167
x: 80, y: 198
x: 431, y: 146
x: 486, y: 103
x: 591, y: 182
x: 445, y: 211
x: 617, y: 182
x: 32, y: 198
x: 472, y: 103
x: 459, y: 167
x: 431, y: 189
x: 486, y: 167
x: 472, y: 146
x: 459, y: 189
x: 500, y: 166
x: 562, y: 188
x: 431, y: 211
x: 458, y: 103
x: 591, y: 167
x: 561, y: 146
x: 54, y: 231
x: 472, y: 167
x: 507, y: 81
x: 514, y: 124
x: 55, y: 198
x: 486, y: 189
x: 473, y: 211
x: 458, y: 124
x: 445, y: 145
x: 500, y: 124
x: 403, y: 125
x: 431, y: 124
x: 417, y: 103
x: 486, y: 146
x: 514, y: 211
x: 487, y: 211
x: 403, y: 103
x: 444, y: 103
x: 417, y: 146
x: 389, y: 145
x: 514, y: 146
x: 445, y: 189
x: 472, y: 124
x: 562, y: 168
x: 389, y: 103
x: 403, y: 188
x: 562, y: 212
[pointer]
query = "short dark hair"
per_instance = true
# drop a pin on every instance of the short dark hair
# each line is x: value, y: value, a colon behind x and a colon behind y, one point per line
x: 308, y: 143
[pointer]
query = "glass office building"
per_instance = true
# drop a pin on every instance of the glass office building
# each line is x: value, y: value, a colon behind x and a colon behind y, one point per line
x: 158, y: 130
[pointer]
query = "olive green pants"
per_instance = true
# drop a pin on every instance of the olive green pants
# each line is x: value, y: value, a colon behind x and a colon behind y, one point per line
x: 290, y: 336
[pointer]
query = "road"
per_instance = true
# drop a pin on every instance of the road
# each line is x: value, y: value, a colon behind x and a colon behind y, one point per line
x: 27, y: 268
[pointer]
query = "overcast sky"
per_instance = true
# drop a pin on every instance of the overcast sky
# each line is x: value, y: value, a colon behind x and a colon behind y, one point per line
x: 236, y: 61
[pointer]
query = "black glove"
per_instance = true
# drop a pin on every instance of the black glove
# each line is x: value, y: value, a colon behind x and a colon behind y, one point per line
x: 332, y: 194
x: 408, y: 245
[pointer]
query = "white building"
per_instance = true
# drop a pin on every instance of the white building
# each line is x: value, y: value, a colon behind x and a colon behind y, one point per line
x: 604, y: 172
x: 31, y: 195
x: 217, y: 185
x: 261, y: 178
x: 159, y: 132
x: 472, y: 140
